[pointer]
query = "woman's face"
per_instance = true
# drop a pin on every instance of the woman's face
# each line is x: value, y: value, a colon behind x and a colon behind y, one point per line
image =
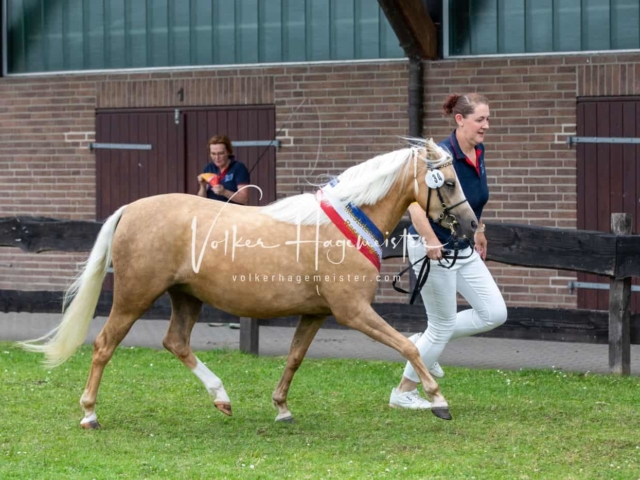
x: 474, y: 126
x: 219, y: 155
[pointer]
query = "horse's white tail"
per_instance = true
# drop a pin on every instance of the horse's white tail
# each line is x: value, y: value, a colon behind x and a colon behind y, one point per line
x: 62, y: 342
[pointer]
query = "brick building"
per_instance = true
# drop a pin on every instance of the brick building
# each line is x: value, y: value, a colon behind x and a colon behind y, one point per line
x: 332, y: 107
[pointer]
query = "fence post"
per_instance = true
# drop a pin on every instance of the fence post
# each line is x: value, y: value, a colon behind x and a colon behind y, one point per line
x: 249, y: 335
x: 619, y: 308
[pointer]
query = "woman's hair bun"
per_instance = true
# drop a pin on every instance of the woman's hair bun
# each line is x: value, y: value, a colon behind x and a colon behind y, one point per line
x: 450, y: 103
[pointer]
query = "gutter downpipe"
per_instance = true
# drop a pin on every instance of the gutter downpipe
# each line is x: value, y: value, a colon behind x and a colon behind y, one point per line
x: 416, y: 97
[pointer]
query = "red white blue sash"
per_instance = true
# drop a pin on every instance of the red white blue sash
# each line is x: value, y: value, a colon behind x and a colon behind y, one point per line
x: 353, y: 223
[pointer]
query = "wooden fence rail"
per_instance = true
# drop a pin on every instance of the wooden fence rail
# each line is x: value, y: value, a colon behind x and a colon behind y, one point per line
x: 616, y: 255
x: 607, y: 254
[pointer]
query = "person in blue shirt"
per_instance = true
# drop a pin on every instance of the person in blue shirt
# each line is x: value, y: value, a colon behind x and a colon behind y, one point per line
x: 469, y: 276
x: 232, y: 175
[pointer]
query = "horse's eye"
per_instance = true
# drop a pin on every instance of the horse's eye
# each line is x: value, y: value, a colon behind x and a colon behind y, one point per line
x: 450, y: 183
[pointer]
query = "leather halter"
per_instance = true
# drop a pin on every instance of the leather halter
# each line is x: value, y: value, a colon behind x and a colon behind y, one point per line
x: 445, y: 216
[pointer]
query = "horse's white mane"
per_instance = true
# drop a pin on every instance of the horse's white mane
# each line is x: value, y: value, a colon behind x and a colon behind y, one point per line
x: 362, y: 184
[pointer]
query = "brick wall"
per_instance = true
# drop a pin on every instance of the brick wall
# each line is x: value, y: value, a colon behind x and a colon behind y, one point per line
x: 329, y: 117
x: 45, y: 168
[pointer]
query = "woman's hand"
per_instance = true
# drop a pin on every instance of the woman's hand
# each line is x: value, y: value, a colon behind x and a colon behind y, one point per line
x: 481, y: 244
x: 219, y: 190
x: 201, y: 181
x: 433, y: 252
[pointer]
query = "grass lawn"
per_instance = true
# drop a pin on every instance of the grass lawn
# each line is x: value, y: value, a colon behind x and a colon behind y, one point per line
x: 158, y: 422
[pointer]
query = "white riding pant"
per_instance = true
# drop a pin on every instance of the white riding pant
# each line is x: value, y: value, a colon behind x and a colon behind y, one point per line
x: 472, y: 279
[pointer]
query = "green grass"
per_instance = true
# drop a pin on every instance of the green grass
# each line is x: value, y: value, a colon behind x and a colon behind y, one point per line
x: 158, y: 422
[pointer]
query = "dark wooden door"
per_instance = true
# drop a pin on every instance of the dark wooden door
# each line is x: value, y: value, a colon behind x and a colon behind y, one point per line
x: 608, y: 177
x: 126, y: 175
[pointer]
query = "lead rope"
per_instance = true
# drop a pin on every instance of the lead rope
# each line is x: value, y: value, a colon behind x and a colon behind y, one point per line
x: 423, y: 275
x: 422, y: 278
x: 414, y: 154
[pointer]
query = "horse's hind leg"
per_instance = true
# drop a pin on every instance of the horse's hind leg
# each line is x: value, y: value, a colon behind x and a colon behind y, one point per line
x: 184, y: 314
x: 117, y: 326
x: 307, y: 328
x: 366, y: 320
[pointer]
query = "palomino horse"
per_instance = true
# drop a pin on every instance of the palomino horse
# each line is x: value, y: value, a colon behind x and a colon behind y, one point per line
x: 199, y: 250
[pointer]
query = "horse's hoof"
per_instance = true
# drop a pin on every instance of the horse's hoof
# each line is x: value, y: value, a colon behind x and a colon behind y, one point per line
x: 224, y: 407
x: 286, y: 419
x: 442, y: 412
x: 92, y: 425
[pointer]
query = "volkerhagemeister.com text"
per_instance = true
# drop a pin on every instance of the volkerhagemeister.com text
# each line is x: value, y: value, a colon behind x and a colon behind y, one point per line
x: 258, y: 278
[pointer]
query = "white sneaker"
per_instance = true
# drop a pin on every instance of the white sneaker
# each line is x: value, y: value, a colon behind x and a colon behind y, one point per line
x: 411, y: 400
x: 414, y: 338
x: 435, y: 369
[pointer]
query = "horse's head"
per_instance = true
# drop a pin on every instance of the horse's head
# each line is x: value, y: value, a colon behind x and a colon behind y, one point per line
x: 438, y: 191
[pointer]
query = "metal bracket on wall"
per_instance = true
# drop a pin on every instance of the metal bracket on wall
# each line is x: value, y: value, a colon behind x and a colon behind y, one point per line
x: 595, y: 286
x: 621, y: 140
x: 141, y: 146
x: 119, y: 146
x: 257, y: 143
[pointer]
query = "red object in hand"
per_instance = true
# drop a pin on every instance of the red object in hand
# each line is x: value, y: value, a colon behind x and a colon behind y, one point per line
x: 212, y: 178
x: 215, y: 180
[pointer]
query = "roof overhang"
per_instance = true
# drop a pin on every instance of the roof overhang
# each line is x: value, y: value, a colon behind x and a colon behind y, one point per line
x: 413, y: 26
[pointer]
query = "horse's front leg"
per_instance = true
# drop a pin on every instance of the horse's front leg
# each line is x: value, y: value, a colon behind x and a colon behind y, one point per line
x: 362, y: 317
x: 306, y: 330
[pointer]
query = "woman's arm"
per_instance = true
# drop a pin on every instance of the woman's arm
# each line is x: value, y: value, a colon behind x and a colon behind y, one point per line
x: 241, y: 196
x: 423, y: 227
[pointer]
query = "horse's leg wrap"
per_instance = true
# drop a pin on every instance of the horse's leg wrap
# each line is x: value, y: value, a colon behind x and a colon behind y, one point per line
x: 214, y: 386
x: 184, y: 314
x: 90, y: 421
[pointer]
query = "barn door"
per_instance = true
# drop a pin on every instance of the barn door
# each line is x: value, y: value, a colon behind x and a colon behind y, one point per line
x: 139, y: 154
x: 608, y: 177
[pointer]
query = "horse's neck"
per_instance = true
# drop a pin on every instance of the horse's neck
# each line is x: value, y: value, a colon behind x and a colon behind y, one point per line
x: 388, y: 211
